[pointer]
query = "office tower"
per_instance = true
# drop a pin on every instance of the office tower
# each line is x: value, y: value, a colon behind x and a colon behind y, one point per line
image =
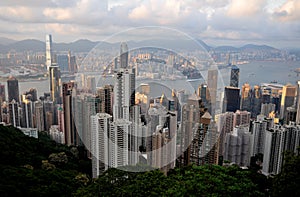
x: 100, y: 128
x: 192, y: 130
x: 14, y: 113
x: 234, y: 76
x: 39, y: 116
x: 267, y: 108
x: 63, y: 62
x: 246, y: 97
x: 61, y: 119
x: 290, y: 114
x: 105, y: 94
x: 277, y: 141
x: 265, y: 98
x: 31, y: 95
x: 124, y: 55
x: 27, y: 114
x: 49, y: 54
x: 48, y: 114
x: 211, y: 94
x: 231, y: 101
x: 55, y: 84
x: 2, y: 93
x: 256, y: 101
x: 287, y: 98
x: 202, y: 90
x: 259, y: 128
x: 72, y: 63
x: 13, y: 89
x: 91, y: 84
x: 237, y: 146
x: 69, y: 124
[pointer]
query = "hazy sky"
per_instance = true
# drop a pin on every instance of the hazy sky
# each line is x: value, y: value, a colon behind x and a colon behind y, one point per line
x: 274, y: 22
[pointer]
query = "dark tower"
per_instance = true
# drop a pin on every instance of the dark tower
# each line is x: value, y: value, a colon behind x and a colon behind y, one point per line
x: 234, y: 76
x: 13, y: 89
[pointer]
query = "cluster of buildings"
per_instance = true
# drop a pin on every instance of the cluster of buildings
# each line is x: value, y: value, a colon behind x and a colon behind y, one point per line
x: 121, y: 124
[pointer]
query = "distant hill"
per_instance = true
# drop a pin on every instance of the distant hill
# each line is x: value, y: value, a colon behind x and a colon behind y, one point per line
x: 84, y: 45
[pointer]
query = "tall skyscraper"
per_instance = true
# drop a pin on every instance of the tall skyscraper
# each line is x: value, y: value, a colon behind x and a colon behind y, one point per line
x: 39, y: 116
x: 27, y: 114
x: 13, y: 89
x: 105, y: 94
x: 69, y: 124
x: 55, y: 84
x: 287, y: 99
x: 49, y: 54
x: 2, y: 93
x: 14, y: 113
x: 212, y: 85
x: 234, y: 76
x: 246, y: 97
x: 258, y: 137
x: 124, y: 55
x: 231, y: 101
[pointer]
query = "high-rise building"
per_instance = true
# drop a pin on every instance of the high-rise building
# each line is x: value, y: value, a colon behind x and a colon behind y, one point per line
x: 63, y: 62
x: 100, y: 128
x: 39, y: 116
x: 277, y: 141
x: 27, y: 114
x: 72, y: 63
x: 267, y: 108
x: 287, y: 99
x: 69, y: 124
x: 237, y: 146
x: 124, y: 93
x: 290, y: 114
x: 49, y: 54
x: 202, y: 90
x: 124, y: 55
x: 31, y: 95
x: 234, y: 76
x: 231, y: 101
x: 55, y: 84
x: 14, y: 113
x: 212, y: 85
x: 241, y: 118
x: 246, y: 97
x: 2, y: 93
x: 13, y: 89
x: 258, y: 137
x: 193, y: 130
x: 105, y: 94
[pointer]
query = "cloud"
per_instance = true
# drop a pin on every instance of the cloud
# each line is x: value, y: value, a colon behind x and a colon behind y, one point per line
x: 246, y: 8
x: 288, y: 12
x: 219, y: 19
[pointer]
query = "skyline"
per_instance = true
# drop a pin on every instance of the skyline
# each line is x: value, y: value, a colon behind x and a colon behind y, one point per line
x: 236, y: 22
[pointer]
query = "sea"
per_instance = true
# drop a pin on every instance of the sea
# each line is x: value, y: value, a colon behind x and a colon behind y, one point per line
x: 254, y: 73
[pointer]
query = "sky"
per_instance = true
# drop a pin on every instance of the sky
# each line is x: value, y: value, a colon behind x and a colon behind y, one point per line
x: 217, y: 22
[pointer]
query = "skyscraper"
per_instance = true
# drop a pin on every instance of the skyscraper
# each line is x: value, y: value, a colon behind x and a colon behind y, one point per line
x: 231, y: 101
x: 2, y: 93
x: 13, y: 89
x: 14, y: 113
x: 258, y: 137
x: 124, y: 55
x: 105, y: 94
x: 55, y: 84
x: 287, y: 99
x: 298, y: 104
x: 212, y: 85
x: 39, y: 116
x: 234, y: 76
x: 27, y: 114
x: 49, y: 54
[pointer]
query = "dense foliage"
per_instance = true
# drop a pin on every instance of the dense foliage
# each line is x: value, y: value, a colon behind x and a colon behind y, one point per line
x: 41, y: 167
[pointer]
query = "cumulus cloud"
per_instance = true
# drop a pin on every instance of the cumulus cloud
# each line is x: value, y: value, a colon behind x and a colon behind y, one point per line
x: 219, y: 19
x: 289, y: 11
